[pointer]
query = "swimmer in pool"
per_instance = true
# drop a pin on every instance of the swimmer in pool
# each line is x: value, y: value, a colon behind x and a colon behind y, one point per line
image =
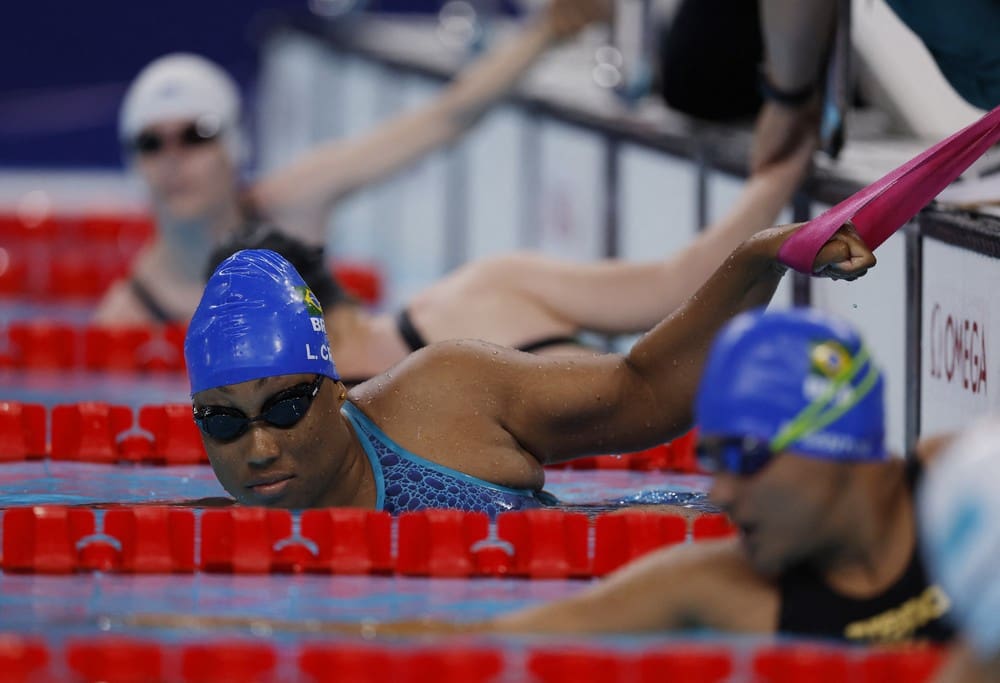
x: 180, y: 127
x: 791, y: 418
x: 960, y: 527
x: 529, y: 301
x: 790, y: 413
x: 460, y: 424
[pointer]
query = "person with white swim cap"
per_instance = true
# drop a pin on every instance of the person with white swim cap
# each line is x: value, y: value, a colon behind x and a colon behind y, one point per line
x: 180, y: 127
x: 960, y: 527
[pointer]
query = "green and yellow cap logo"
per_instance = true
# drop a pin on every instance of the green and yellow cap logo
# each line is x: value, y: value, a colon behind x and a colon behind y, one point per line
x: 829, y: 359
x: 311, y: 302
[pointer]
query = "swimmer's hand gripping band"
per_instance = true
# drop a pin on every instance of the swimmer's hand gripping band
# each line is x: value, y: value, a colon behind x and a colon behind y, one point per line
x: 883, y: 207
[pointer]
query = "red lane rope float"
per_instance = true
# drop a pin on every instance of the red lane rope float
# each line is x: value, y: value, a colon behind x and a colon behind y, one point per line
x: 243, y: 540
x: 121, y: 659
x: 883, y: 207
x: 53, y: 345
x: 167, y: 435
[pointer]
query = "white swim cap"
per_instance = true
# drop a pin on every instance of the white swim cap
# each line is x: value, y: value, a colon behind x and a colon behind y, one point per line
x: 182, y: 86
x: 959, y: 511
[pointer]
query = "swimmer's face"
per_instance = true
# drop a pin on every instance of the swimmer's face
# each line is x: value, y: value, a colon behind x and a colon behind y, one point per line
x: 269, y: 465
x: 188, y: 169
x: 782, y: 511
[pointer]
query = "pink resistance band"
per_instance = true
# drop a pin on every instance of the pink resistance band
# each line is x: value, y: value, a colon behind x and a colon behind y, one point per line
x: 883, y: 207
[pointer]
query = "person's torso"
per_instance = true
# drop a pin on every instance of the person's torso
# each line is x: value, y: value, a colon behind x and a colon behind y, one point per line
x: 406, y: 482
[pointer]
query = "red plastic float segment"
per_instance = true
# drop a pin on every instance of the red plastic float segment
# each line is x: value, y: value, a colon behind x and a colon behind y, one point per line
x: 579, y: 666
x: 23, y: 659
x: 114, y: 349
x: 43, y: 539
x: 547, y: 543
x: 75, y: 274
x: 41, y: 345
x: 439, y: 542
x: 22, y: 431
x: 349, y: 540
x: 116, y: 660
x: 242, y: 540
x: 688, y: 663
x: 712, y: 526
x: 176, y: 439
x: 797, y: 663
x: 326, y: 663
x: 913, y: 664
x: 154, y: 539
x: 361, y: 280
x: 620, y: 538
x: 89, y: 431
x: 451, y: 665
x: 228, y: 662
x: 13, y: 270
x: 682, y: 453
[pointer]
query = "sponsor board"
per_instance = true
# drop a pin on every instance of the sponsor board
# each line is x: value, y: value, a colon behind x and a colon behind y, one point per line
x: 959, y: 344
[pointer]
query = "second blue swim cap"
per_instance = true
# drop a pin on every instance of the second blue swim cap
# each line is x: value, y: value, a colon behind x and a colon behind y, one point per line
x: 797, y: 380
x: 257, y: 318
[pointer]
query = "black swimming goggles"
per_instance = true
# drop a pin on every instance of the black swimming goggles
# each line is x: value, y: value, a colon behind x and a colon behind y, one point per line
x: 741, y: 455
x: 283, y: 410
x: 194, y: 134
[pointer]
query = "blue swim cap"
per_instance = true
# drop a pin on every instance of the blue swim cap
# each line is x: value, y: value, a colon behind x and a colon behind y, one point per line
x: 959, y: 506
x: 796, y: 380
x: 257, y: 318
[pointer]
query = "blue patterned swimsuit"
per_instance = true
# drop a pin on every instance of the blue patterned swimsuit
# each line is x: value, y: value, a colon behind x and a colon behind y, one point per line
x: 406, y: 482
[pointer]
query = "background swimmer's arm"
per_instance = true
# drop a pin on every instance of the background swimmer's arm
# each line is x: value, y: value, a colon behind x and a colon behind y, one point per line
x: 559, y: 409
x: 619, y: 297
x: 324, y: 176
x: 796, y: 34
x: 706, y: 584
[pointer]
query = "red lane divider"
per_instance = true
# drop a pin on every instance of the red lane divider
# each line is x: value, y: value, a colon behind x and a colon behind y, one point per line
x: 797, y: 663
x: 228, y: 662
x: 43, y: 539
x: 88, y: 431
x: 440, y: 542
x: 242, y: 540
x: 22, y: 431
x: 621, y: 538
x: 688, y: 663
x: 914, y: 664
x: 712, y: 526
x: 23, y: 659
x: 547, y: 543
x: 116, y: 660
x: 579, y: 666
x: 349, y: 540
x: 154, y: 539
x: 101, y: 433
x: 353, y: 662
x: 451, y: 665
x: 176, y: 439
x: 56, y: 345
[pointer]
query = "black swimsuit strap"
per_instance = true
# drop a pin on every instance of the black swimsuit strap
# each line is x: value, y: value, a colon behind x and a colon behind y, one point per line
x: 545, y: 342
x: 408, y: 332
x: 146, y: 298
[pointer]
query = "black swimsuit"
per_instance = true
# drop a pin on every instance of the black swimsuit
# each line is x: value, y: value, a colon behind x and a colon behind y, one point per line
x: 911, y: 609
x: 416, y: 341
x: 156, y: 310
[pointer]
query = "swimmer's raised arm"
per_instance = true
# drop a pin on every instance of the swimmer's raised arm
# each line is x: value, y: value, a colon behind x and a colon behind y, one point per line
x: 315, y: 182
x: 561, y: 409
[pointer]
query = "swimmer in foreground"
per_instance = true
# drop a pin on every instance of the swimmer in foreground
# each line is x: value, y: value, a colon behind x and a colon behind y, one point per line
x: 461, y: 424
x: 790, y: 416
x: 960, y: 526
x: 530, y: 301
x: 180, y: 126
